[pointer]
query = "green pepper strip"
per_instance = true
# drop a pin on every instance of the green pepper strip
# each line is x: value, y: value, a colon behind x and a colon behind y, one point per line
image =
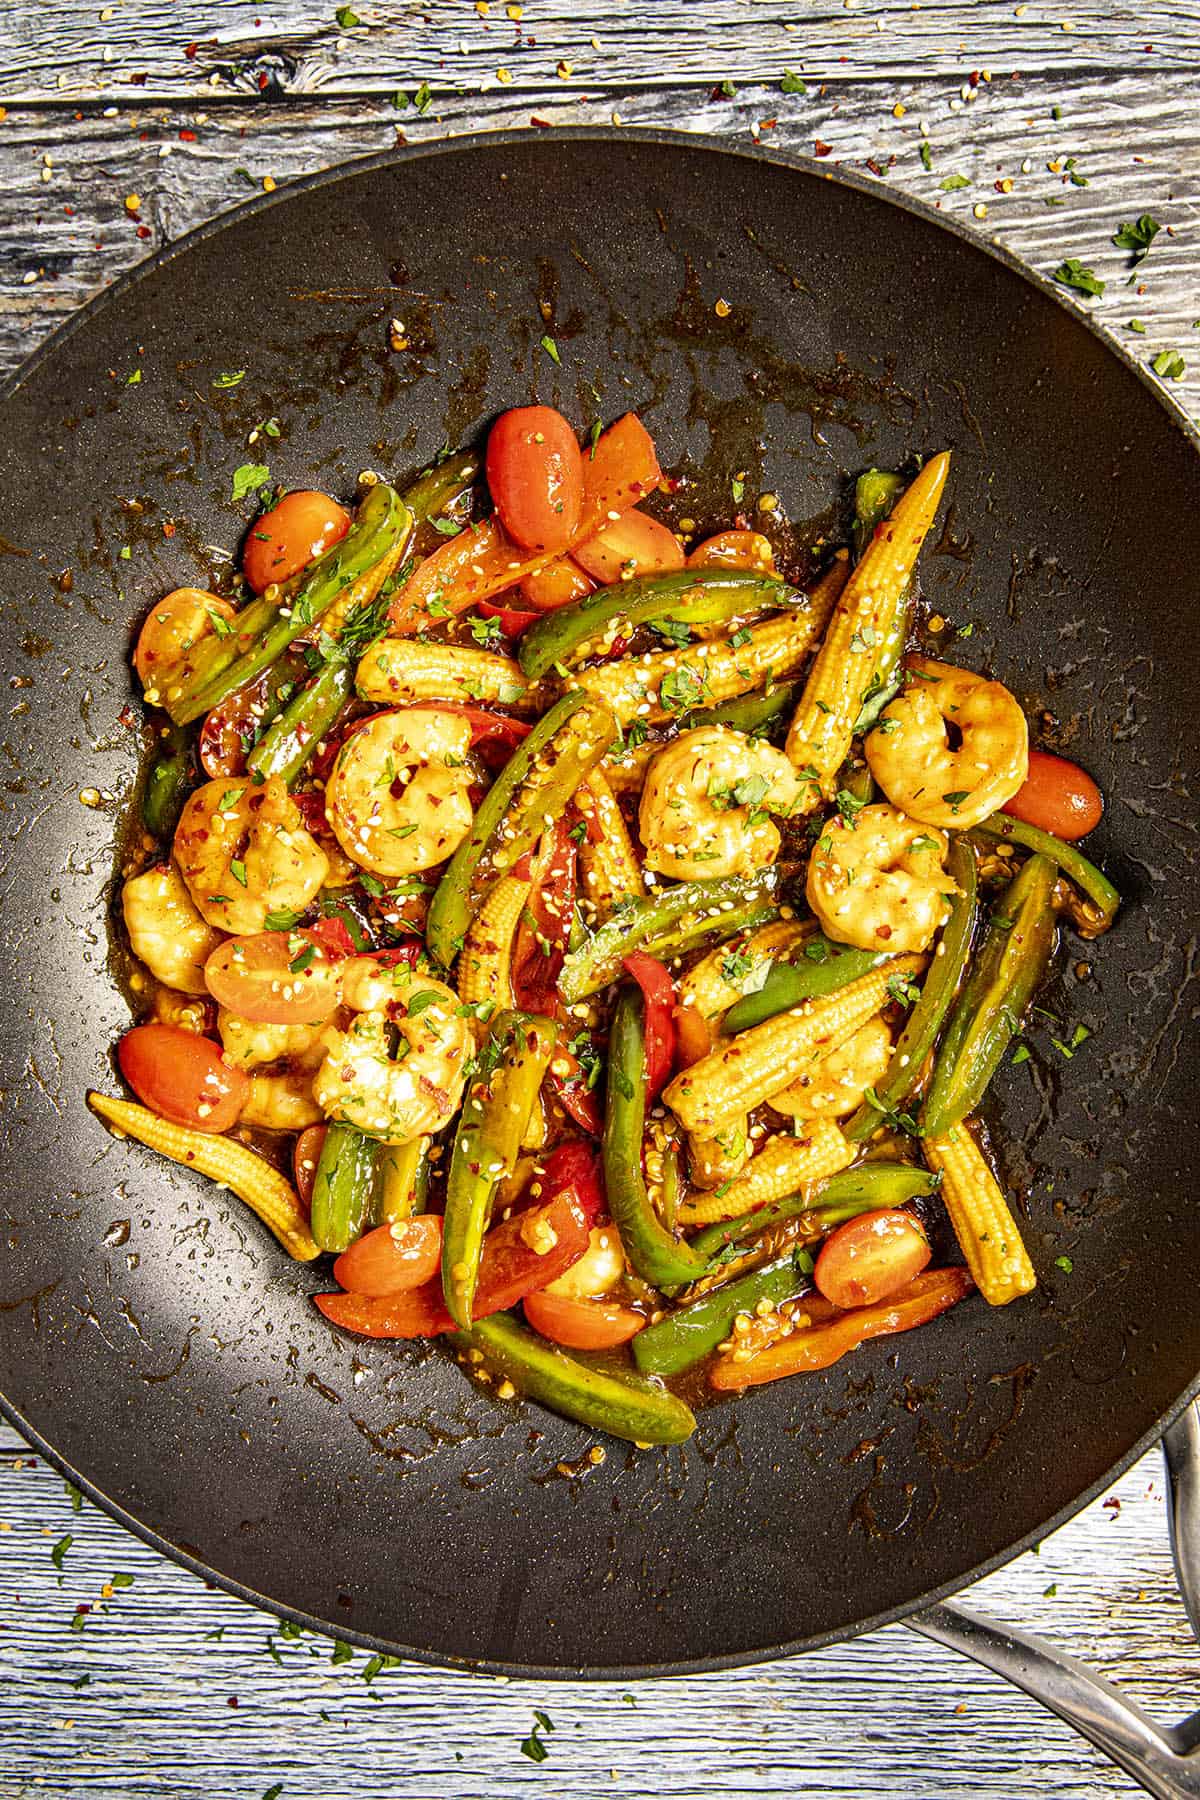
x: 266, y: 628
x: 622, y: 1405
x: 875, y: 494
x: 342, y: 1187
x: 514, y: 821
x: 438, y: 487
x: 928, y: 1015
x: 865, y: 1189
x: 750, y: 713
x: 695, y: 596
x: 1016, y: 950
x: 491, y: 1125
x: 670, y: 921
x: 653, y: 1252
x: 167, y: 783
x: 1073, y: 863
x: 821, y: 968
x: 291, y: 739
x: 681, y: 1339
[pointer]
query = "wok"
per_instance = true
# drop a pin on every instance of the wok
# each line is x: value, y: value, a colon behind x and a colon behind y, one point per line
x: 154, y: 1341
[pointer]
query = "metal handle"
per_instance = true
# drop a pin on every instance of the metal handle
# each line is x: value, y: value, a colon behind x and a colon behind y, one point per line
x: 1163, y: 1759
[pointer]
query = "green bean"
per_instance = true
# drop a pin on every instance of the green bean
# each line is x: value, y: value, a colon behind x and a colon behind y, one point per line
x: 821, y: 968
x: 439, y: 486
x: 668, y: 922
x: 1073, y: 863
x: 167, y: 783
x: 341, y: 1195
x: 751, y: 713
x: 867, y: 1188
x: 292, y: 737
x: 683, y: 1337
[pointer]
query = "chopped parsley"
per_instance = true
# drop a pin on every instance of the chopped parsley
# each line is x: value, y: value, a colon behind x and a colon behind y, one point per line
x: 737, y: 488
x: 347, y: 18
x: 1072, y: 274
x: 900, y: 1121
x: 248, y: 479
x: 342, y: 1653
x: 849, y: 806
x: 551, y: 348
x: 622, y: 1083
x: 229, y: 378
x: 1064, y: 1263
x: 427, y: 997
x: 950, y: 184
x: 1020, y: 1054
x: 532, y: 1746
x: 485, y: 631
x: 903, y: 990
x: 675, y: 632
x: 1138, y: 237
x: 926, y: 154
x: 282, y: 920
x: 220, y: 624
x: 1079, y: 1036
x: 680, y: 688
x: 791, y: 84
x: 955, y: 800
x: 238, y: 870
x: 446, y: 527
x: 60, y: 1550
x: 1169, y: 364
x: 302, y: 959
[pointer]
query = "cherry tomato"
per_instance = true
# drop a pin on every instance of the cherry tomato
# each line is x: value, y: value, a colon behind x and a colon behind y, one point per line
x: 182, y: 1077
x: 582, y: 1324
x: 172, y: 627
x: 392, y: 1258
x: 573, y: 1168
x: 619, y: 469
x: 333, y: 936
x: 557, y: 585
x: 513, y: 621
x: 1057, y: 796
x: 535, y: 475
x: 275, y: 978
x: 870, y: 1258
x: 693, y: 1036
x: 635, y: 544
x: 306, y: 1154
x: 734, y: 550
x: 658, y: 997
x: 301, y: 527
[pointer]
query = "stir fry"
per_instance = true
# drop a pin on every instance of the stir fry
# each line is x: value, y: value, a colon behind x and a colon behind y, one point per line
x: 597, y: 941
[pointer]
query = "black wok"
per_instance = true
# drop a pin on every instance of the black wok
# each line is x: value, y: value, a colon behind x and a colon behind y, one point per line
x: 153, y: 1340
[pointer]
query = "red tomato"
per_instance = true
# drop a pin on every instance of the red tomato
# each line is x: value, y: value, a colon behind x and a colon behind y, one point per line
x: 557, y: 585
x: 182, y: 1077
x: 1057, y: 796
x: 582, y: 1324
x: 620, y: 469
x: 635, y: 544
x: 301, y: 527
x: 693, y: 1036
x: 172, y: 627
x: 332, y: 936
x: 573, y: 1168
x: 512, y: 620
x: 306, y: 1154
x: 870, y: 1258
x: 392, y: 1258
x: 573, y: 1094
x: 658, y: 997
x: 734, y: 550
x: 535, y: 475
x: 274, y: 978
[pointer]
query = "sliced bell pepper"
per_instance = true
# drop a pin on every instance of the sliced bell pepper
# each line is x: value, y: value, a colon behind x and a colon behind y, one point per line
x: 685, y: 1336
x: 658, y: 1024
x: 820, y: 967
x: 513, y: 621
x: 668, y: 922
x: 1073, y: 863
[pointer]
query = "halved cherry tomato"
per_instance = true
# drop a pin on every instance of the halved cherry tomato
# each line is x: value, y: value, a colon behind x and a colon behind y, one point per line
x: 620, y: 469
x: 635, y: 544
x: 172, y: 627
x: 923, y: 1299
x: 510, y: 1268
x: 734, y: 550
x: 228, y: 732
x: 512, y: 620
x: 489, y: 729
x: 557, y: 585
x: 569, y: 1087
x: 182, y: 1077
x: 392, y: 1258
x: 306, y: 1154
x: 332, y: 935
x: 582, y: 1324
x: 658, y: 996
x: 693, y: 1036
x: 573, y: 1168
x: 275, y: 978
x: 535, y: 476
x: 301, y: 527
x: 1057, y: 796
x: 544, y: 931
x: 871, y: 1258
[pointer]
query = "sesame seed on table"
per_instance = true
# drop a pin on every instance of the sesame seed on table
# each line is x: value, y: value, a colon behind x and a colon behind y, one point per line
x: 124, y: 125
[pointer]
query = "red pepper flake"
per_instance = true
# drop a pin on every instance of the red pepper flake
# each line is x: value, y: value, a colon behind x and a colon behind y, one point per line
x: 190, y: 50
x: 973, y: 78
x: 127, y: 718
x: 264, y: 81
x: 821, y: 149
x: 187, y: 137
x: 143, y: 232
x: 542, y: 124
x: 767, y: 124
x: 137, y: 81
x: 874, y: 167
x: 1112, y: 1505
x: 232, y: 1700
x: 168, y: 528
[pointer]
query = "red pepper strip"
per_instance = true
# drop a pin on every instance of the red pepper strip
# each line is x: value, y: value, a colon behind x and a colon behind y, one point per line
x: 923, y: 1299
x: 331, y: 936
x: 658, y: 995
x: 509, y: 1269
x: 513, y: 620
x: 573, y: 1168
x: 693, y: 1036
x: 544, y: 931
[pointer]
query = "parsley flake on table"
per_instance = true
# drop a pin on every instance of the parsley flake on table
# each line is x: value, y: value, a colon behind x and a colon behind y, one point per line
x: 950, y: 184
x: 532, y: 1746
x: 792, y: 84
x: 1071, y: 273
x: 926, y: 154
x: 1138, y: 237
x: 347, y: 18
x: 229, y: 378
x: 60, y: 1550
x: 133, y: 379
x: 1064, y: 1263
x: 1169, y: 364
x: 551, y: 348
x: 248, y: 479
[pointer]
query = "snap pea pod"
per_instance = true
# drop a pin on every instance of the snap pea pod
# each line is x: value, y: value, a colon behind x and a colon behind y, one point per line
x: 341, y: 1195
x: 1073, y: 863
x: 264, y: 629
x: 695, y: 596
x: 438, y: 487
x: 1016, y: 950
x: 491, y: 1125
x: 751, y: 713
x: 624, y: 1405
x: 683, y: 1337
x: 652, y: 1251
x: 875, y: 494
x: 167, y: 783
x: 668, y: 922
x: 293, y: 735
x: 821, y: 968
x: 865, y: 1189
x: 925, y: 1021
x: 529, y: 793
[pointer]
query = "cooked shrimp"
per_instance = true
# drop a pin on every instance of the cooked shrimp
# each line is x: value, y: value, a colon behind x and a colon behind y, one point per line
x: 835, y: 1085
x: 398, y: 1070
x: 248, y: 1044
x: 170, y: 631
x: 281, y: 1102
x: 714, y: 1160
x: 166, y: 932
x: 912, y: 759
x: 397, y: 799
x: 705, y: 804
x: 877, y: 881
x: 245, y: 853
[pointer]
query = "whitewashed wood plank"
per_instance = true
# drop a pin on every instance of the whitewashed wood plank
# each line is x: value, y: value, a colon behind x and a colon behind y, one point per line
x: 297, y: 46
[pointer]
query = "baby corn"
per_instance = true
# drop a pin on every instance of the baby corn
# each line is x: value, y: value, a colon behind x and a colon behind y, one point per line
x: 485, y: 966
x: 783, y: 1166
x: 222, y: 1159
x: 361, y: 592
x: 611, y: 871
x: 723, y: 976
x: 985, y: 1228
x: 402, y: 669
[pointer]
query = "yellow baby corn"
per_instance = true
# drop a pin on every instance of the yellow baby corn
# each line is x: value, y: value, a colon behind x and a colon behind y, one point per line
x: 484, y: 968
x: 823, y: 727
x: 222, y: 1159
x: 398, y: 1170
x: 745, y: 1070
x: 404, y: 669
x: 611, y: 871
x: 783, y: 1166
x: 711, y: 991
x: 625, y: 769
x: 985, y: 1228
x: 362, y: 591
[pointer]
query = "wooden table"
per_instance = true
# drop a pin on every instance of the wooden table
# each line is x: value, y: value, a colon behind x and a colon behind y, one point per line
x: 125, y: 125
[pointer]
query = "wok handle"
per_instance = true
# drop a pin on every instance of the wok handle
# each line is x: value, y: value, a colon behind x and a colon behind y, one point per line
x: 1164, y: 1760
